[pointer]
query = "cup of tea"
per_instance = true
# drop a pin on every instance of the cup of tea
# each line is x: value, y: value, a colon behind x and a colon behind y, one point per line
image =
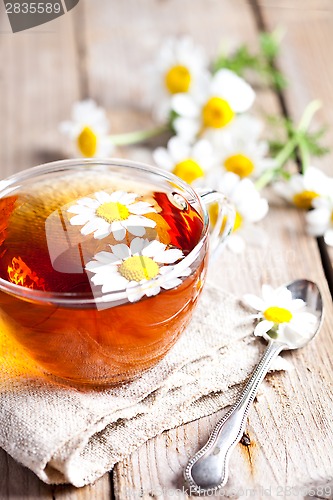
x: 101, y: 265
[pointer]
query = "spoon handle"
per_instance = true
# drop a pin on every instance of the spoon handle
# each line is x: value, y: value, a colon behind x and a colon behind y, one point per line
x: 207, y: 471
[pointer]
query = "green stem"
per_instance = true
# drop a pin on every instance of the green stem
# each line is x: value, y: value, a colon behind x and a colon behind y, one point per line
x: 138, y: 135
x: 308, y: 114
x: 296, y: 141
x: 286, y: 152
x: 266, y: 178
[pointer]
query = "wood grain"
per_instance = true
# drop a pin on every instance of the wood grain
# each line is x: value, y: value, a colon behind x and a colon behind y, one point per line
x: 102, y: 49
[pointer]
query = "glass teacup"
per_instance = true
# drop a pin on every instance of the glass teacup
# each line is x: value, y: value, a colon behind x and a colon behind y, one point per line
x: 101, y: 264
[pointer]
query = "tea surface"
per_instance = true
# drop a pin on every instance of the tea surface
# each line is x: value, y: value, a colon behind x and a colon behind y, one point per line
x: 40, y: 247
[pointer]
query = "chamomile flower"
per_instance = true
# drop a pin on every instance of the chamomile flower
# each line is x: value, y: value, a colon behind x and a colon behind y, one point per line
x: 88, y: 129
x: 114, y: 213
x: 180, y: 66
x: 302, y: 190
x: 239, y: 148
x: 280, y: 316
x: 212, y: 107
x: 250, y: 208
x: 320, y: 220
x: 140, y: 263
x: 189, y: 162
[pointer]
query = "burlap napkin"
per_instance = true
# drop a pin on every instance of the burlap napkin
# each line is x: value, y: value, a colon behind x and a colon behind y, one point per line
x: 67, y: 435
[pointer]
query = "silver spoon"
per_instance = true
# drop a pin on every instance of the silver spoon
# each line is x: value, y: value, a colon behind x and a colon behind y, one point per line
x: 207, y: 471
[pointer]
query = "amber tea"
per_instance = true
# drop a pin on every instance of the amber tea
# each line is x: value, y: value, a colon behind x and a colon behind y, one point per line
x: 103, y: 264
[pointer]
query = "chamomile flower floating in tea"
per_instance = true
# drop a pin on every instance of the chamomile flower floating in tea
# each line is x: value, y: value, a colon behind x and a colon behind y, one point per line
x: 240, y: 150
x: 180, y: 67
x: 88, y: 129
x: 114, y: 213
x: 125, y: 267
x: 280, y: 316
x: 320, y: 220
x: 302, y: 189
x: 212, y: 107
x: 187, y: 162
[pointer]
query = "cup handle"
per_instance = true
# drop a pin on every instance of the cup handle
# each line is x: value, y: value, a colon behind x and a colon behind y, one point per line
x: 225, y: 218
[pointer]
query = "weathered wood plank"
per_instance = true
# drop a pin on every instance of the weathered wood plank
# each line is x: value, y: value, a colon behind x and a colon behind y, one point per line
x: 306, y: 58
x: 39, y: 82
x: 42, y: 76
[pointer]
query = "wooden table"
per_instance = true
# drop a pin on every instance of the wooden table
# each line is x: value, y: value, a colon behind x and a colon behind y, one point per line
x: 99, y: 50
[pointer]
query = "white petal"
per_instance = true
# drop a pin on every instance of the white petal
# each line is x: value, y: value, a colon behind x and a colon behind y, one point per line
x: 168, y: 256
x: 79, y: 209
x: 116, y: 195
x: 259, y: 211
x: 263, y: 327
x: 297, y: 304
x: 179, y: 149
x: 119, y: 234
x: 236, y: 243
x: 186, y: 128
x: 152, y: 291
x: 163, y: 159
x: 102, y: 197
x: 134, y: 292
x: 153, y: 248
x: 101, y: 268
x: 268, y: 294
x: 88, y: 202
x: 91, y: 226
x: 105, y: 275
x: 171, y: 283
x: 253, y: 301
x: 136, y: 230
x: 128, y: 198
x: 103, y: 231
x: 137, y: 244
x: 141, y: 208
x: 121, y: 251
x: 318, y: 216
x: 79, y: 220
x: 328, y: 236
x: 139, y: 220
x: 105, y: 257
x: 233, y: 89
x: 202, y: 151
x: 184, y: 105
x: 117, y: 283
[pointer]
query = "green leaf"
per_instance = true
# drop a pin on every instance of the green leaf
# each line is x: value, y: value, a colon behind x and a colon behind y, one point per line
x: 243, y: 60
x: 239, y: 61
x: 269, y: 44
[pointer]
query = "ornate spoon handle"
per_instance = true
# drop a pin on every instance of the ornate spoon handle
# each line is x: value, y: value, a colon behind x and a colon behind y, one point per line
x: 208, y: 468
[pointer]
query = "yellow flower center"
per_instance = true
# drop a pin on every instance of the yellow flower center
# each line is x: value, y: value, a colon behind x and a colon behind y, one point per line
x: 239, y: 164
x: 213, y: 213
x: 304, y: 199
x: 277, y: 315
x: 139, y: 268
x: 87, y: 142
x: 188, y: 170
x: 112, y: 211
x: 178, y: 79
x: 238, y: 222
x: 217, y: 113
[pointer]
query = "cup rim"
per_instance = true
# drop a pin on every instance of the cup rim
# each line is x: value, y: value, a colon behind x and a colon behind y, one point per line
x: 80, y: 299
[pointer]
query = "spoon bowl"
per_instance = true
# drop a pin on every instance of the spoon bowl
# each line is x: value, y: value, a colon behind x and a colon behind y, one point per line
x: 309, y: 292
